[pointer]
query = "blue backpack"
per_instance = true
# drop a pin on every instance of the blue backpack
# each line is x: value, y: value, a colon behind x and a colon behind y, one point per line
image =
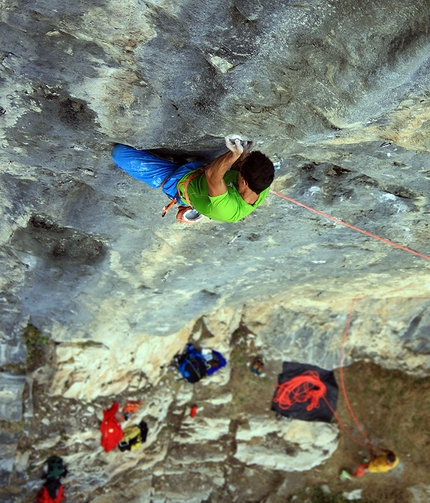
x: 191, y: 364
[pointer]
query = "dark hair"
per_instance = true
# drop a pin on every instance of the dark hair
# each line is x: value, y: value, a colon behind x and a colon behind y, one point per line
x: 391, y: 456
x: 258, y: 171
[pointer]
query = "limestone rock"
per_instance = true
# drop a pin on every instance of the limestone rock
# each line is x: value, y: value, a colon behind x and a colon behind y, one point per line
x: 8, y: 446
x: 11, y: 389
x: 289, y: 445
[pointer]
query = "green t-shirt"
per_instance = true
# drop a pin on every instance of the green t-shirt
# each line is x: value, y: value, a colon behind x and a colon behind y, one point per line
x: 228, y: 207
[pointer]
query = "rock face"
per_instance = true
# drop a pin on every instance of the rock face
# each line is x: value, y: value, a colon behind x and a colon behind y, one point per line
x: 336, y: 93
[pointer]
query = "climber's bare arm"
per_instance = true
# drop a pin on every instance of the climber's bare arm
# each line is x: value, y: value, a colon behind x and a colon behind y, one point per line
x: 217, y: 169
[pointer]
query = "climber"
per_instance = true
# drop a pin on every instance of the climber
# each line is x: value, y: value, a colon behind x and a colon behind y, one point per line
x: 377, y: 464
x: 217, y: 192
x: 52, y: 490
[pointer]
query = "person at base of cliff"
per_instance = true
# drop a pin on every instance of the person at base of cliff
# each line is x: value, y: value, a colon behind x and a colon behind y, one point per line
x: 377, y: 464
x: 218, y: 192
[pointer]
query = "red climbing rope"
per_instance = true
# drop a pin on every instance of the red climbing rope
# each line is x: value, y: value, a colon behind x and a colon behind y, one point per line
x: 337, y: 220
x: 366, y: 446
x: 309, y: 386
x: 300, y: 389
x: 345, y: 334
x: 342, y: 379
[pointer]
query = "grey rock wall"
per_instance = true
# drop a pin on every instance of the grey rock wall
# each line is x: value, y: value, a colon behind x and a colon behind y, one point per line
x: 336, y: 93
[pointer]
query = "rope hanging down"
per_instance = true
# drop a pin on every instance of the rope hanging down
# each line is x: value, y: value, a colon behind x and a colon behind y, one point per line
x: 368, y: 444
x: 309, y: 387
x: 342, y: 379
x: 337, y: 220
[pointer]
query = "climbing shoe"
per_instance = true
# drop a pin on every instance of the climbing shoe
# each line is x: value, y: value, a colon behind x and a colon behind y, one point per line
x: 188, y: 215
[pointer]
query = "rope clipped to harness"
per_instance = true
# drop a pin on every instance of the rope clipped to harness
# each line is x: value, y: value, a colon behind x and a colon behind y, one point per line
x: 300, y: 389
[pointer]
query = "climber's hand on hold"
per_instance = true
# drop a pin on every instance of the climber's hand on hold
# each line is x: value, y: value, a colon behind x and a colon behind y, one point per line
x: 234, y: 144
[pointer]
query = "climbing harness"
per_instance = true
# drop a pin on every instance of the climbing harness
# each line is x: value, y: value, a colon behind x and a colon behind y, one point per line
x: 184, y: 187
x: 337, y: 220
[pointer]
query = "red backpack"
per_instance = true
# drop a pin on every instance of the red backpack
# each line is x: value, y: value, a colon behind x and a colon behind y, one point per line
x: 46, y: 494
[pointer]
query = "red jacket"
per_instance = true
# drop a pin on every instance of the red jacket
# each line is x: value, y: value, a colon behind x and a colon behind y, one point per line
x: 110, y: 428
